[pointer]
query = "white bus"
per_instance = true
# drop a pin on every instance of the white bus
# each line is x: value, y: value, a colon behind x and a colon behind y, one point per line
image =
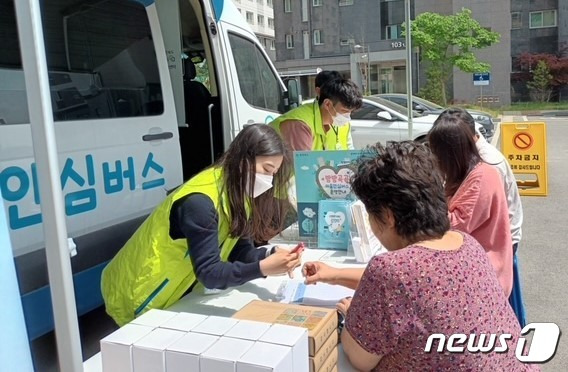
x: 144, y: 94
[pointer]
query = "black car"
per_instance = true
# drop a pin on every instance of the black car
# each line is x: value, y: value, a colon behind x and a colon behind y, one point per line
x: 423, y: 106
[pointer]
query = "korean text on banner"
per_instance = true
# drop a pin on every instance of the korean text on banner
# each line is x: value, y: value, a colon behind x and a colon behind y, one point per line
x: 524, y: 146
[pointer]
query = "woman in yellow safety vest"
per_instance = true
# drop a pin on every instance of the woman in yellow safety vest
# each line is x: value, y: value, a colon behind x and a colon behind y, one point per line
x: 203, y: 231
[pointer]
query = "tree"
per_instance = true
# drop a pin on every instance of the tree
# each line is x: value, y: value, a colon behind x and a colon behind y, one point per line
x: 526, y: 64
x: 539, y: 86
x: 448, y: 41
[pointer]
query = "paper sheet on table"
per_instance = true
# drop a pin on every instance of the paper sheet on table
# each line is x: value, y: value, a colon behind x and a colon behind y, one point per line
x: 321, y: 294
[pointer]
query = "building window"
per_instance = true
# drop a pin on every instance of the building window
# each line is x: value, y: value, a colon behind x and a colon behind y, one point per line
x: 317, y: 2
x: 345, y: 2
x: 260, y: 20
x: 270, y: 3
x: 250, y: 18
x: 346, y: 41
x: 290, y: 41
x: 271, y: 23
x: 516, y: 20
x: 318, y: 37
x: 272, y: 44
x: 545, y: 18
x: 393, y: 32
x: 287, y: 6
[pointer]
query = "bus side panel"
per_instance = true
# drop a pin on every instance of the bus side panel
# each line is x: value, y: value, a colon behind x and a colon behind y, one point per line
x: 117, y: 138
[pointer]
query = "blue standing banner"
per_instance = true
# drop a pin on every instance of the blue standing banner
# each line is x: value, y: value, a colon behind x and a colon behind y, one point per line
x: 14, y: 345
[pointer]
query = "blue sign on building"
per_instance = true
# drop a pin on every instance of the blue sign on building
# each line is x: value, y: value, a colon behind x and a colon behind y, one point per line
x: 481, y: 78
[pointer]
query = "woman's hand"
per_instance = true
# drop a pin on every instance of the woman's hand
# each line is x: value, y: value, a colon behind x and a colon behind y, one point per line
x: 343, y: 305
x: 281, y: 261
x: 315, y: 272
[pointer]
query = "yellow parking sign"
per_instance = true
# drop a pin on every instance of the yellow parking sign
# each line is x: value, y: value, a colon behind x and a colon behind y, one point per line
x: 524, y: 146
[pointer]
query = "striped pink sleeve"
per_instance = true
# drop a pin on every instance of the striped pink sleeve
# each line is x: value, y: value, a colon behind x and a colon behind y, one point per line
x: 297, y: 135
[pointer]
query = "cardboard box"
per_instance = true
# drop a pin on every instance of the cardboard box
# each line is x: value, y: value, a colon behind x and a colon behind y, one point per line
x: 320, y: 322
x: 317, y: 361
x: 223, y: 355
x: 295, y: 338
x: 149, y: 353
x: 116, y: 348
x: 248, y: 330
x: 183, y: 355
x: 184, y: 322
x: 264, y: 357
x: 215, y: 325
x: 330, y: 364
x: 154, y: 317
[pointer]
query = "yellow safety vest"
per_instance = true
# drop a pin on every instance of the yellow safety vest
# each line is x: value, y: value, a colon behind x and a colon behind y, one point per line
x: 309, y: 113
x: 154, y: 271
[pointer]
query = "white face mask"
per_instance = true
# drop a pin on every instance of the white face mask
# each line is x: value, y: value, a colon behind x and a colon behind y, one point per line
x: 262, y: 183
x: 340, y: 120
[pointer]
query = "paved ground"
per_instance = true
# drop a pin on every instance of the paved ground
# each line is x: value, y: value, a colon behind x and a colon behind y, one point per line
x: 543, y: 251
x: 543, y: 255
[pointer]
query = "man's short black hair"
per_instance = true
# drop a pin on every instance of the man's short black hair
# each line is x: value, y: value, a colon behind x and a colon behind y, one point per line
x: 325, y: 76
x: 343, y: 91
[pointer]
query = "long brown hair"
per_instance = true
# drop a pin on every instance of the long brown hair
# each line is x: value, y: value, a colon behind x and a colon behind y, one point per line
x: 239, y: 169
x: 453, y: 145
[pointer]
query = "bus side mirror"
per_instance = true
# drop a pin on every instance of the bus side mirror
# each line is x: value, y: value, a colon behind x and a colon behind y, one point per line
x: 294, y: 97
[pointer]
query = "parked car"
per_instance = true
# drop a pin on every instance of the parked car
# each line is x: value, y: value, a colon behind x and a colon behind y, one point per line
x: 423, y: 106
x: 382, y: 120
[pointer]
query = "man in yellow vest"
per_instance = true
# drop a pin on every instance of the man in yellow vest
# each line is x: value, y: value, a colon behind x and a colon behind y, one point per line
x: 324, y: 123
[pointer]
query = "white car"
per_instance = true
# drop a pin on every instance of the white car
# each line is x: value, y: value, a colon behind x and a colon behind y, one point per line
x: 380, y: 120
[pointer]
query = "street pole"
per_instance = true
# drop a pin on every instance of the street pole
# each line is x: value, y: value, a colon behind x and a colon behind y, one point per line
x: 408, y: 66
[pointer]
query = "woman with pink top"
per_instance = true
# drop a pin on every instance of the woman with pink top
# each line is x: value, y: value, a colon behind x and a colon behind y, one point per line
x: 476, y: 200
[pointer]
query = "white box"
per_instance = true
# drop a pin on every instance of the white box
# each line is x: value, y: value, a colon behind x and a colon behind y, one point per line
x: 116, y: 348
x: 154, y: 317
x: 215, y: 325
x: 248, y: 330
x: 149, y: 353
x: 183, y: 355
x: 224, y: 354
x: 293, y: 337
x: 264, y: 357
x: 184, y: 321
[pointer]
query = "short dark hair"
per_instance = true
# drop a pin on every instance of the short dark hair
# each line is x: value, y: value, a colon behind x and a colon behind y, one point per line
x: 402, y: 177
x: 343, y: 91
x: 451, y: 141
x: 325, y: 76
x: 268, y: 210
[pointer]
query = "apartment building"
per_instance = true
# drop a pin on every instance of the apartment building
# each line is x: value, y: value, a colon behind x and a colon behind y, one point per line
x: 260, y: 16
x: 364, y: 42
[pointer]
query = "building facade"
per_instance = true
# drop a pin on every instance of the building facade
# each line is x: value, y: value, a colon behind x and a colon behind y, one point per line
x: 361, y: 40
x: 364, y: 42
x: 259, y: 14
x: 539, y: 26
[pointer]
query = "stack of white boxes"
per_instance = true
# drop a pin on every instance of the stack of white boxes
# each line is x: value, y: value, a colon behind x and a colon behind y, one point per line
x: 165, y: 341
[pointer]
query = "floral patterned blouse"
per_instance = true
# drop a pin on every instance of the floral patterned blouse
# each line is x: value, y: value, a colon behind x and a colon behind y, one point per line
x: 405, y: 296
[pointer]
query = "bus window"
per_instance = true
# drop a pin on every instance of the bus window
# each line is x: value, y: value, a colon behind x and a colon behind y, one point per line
x: 259, y: 85
x: 101, y: 60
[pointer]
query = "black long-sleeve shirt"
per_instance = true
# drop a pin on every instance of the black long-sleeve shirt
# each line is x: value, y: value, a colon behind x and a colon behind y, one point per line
x: 194, y: 218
